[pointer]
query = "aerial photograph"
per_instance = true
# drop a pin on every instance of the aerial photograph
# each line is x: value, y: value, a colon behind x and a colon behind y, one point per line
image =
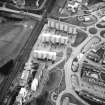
x: 52, y: 52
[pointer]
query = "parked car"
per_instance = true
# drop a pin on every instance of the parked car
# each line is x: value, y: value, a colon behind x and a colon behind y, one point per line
x: 93, y: 57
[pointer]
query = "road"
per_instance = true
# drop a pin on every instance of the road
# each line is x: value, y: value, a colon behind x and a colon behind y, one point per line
x: 68, y: 72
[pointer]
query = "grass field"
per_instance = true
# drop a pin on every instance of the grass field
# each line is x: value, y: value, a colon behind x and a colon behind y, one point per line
x: 12, y: 38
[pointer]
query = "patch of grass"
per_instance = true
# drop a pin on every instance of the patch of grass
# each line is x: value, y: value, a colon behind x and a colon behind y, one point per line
x: 81, y: 36
x: 54, y: 79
